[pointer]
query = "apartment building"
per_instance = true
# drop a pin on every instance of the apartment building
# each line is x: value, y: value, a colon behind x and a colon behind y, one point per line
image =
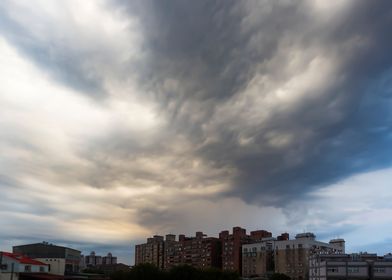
x: 291, y: 257
x: 94, y: 260
x: 199, y: 251
x: 283, y: 255
x: 61, y: 260
x: 349, y: 266
x: 232, y: 246
x: 151, y: 252
x: 258, y: 258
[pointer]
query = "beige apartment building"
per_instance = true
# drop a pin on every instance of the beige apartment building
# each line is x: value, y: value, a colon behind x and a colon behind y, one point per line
x: 258, y: 258
x: 290, y: 257
x: 348, y: 267
x: 151, y: 252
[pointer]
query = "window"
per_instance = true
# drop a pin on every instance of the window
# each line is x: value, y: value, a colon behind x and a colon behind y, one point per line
x: 332, y: 269
x: 41, y: 269
x: 27, y: 268
x: 352, y: 269
x: 379, y: 269
x: 299, y: 245
x: 287, y: 246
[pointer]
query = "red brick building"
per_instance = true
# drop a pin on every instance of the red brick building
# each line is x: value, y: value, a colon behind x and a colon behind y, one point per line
x: 199, y: 251
x: 232, y: 246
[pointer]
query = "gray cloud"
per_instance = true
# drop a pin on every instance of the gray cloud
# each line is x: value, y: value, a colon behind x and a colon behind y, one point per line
x: 203, y: 59
x: 263, y: 101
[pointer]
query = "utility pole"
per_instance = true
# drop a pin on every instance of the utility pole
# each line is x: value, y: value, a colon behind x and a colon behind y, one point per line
x: 1, y: 264
x: 12, y: 271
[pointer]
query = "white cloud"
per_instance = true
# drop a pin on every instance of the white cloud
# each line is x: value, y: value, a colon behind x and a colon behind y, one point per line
x: 357, y: 209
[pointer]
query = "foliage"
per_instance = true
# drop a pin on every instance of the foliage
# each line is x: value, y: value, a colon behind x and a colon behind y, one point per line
x: 183, y: 272
x: 279, y: 276
x: 93, y: 271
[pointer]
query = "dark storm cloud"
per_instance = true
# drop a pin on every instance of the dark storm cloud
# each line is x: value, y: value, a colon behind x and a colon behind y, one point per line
x: 202, y: 55
x: 216, y: 71
x: 212, y: 51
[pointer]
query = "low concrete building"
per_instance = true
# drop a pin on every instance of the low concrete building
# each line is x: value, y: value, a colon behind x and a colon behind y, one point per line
x: 56, y: 265
x: 61, y: 258
x: 347, y: 267
x: 12, y: 265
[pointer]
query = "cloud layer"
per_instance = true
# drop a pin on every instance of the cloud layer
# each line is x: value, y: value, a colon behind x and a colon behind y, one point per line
x: 121, y: 119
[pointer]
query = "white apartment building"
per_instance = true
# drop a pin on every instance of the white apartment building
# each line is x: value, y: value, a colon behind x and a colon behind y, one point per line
x: 348, y: 267
x: 290, y: 257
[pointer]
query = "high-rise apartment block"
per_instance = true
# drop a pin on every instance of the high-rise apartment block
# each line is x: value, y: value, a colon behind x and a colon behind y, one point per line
x: 256, y: 254
x: 232, y: 244
x: 94, y: 260
x: 258, y: 258
x: 198, y: 251
x: 151, y: 252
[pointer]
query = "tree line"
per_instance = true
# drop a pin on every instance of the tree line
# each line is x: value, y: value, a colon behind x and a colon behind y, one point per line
x: 181, y: 272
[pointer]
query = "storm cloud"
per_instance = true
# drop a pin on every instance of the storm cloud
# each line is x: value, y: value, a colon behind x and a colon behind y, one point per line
x: 128, y: 118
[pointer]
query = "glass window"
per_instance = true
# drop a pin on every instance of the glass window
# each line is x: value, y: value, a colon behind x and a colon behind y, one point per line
x: 352, y: 269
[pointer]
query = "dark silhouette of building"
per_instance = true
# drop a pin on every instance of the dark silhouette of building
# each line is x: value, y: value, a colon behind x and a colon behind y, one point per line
x: 45, y: 250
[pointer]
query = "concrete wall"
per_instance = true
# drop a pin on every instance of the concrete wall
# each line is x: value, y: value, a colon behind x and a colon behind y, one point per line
x: 56, y: 266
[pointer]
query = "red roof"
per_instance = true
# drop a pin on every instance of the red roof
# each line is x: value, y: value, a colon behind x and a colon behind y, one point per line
x: 22, y: 259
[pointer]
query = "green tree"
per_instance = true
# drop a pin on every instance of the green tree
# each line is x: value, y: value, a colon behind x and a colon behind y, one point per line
x: 279, y: 276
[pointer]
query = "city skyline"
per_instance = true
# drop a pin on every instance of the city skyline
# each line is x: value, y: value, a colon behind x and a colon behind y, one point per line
x: 124, y: 119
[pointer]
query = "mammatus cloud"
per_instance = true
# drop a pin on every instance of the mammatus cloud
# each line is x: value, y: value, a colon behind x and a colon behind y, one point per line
x: 125, y: 119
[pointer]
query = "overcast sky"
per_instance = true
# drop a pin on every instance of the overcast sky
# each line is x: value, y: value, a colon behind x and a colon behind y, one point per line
x: 124, y: 119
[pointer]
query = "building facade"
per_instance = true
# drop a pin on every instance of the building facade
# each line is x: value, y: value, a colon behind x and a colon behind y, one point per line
x: 109, y: 259
x: 198, y: 251
x: 346, y: 267
x: 291, y: 257
x: 232, y: 246
x: 151, y: 252
x: 258, y: 258
x: 67, y: 258
x: 94, y: 260
x: 282, y: 255
x: 12, y: 265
